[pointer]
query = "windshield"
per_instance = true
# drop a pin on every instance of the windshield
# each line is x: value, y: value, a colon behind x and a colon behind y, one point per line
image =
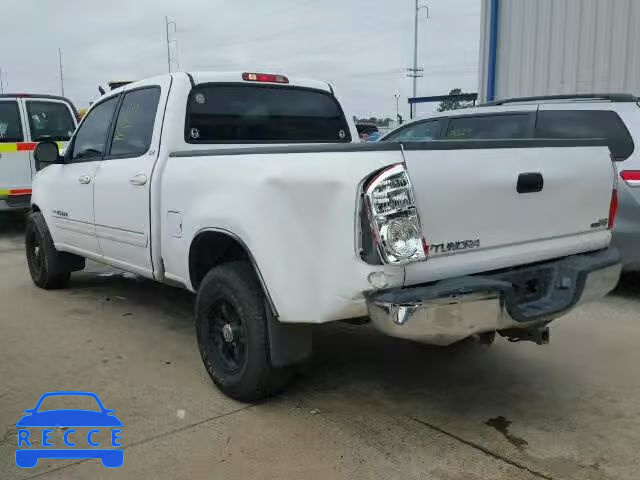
x: 50, y: 121
x: 263, y: 114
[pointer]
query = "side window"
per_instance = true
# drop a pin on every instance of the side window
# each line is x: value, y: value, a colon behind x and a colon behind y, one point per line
x: 10, y: 126
x: 90, y: 140
x: 587, y: 124
x: 488, y: 127
x: 50, y: 120
x: 134, y: 127
x: 429, y: 130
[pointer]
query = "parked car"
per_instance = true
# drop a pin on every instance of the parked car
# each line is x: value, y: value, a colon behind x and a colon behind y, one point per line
x: 248, y: 189
x: 614, y: 117
x: 24, y: 120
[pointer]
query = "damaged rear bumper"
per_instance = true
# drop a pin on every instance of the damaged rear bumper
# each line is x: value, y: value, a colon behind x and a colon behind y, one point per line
x: 526, y: 297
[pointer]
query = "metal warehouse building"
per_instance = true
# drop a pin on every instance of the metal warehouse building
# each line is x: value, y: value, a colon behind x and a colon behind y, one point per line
x: 547, y: 47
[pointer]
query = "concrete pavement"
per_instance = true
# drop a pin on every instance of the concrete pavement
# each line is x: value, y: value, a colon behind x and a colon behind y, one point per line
x: 365, y: 407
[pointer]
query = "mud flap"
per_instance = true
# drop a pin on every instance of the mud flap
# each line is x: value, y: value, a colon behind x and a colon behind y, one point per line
x: 288, y: 343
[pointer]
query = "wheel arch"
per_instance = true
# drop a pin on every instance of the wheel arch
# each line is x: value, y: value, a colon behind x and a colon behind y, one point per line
x: 214, y: 246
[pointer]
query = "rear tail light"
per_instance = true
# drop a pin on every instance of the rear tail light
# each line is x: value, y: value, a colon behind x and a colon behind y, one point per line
x: 631, y: 177
x: 613, y: 209
x: 393, y: 217
x: 264, y: 78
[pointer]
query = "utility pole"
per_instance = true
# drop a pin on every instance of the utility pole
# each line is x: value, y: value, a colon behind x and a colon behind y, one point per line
x: 61, y: 77
x: 1, y: 82
x: 397, y: 97
x: 169, y: 41
x: 416, y: 71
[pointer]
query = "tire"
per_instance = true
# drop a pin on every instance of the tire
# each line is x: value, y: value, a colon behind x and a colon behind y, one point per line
x: 49, y: 268
x: 230, y: 299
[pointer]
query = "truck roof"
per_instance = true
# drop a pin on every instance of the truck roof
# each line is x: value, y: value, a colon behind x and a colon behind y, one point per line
x: 236, y: 77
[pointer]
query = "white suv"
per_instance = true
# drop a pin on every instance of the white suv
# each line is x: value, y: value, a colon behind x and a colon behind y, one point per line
x: 615, y: 117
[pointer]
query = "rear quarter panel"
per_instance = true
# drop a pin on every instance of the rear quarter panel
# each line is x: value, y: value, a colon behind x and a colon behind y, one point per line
x: 296, y: 213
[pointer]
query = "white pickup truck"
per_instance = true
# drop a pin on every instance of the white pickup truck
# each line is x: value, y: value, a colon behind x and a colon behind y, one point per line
x: 253, y: 191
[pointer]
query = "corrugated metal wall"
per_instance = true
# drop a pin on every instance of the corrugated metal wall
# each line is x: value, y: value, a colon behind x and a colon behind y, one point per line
x: 547, y: 47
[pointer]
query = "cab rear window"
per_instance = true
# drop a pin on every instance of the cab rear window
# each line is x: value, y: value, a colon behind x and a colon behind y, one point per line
x: 263, y: 114
x: 10, y: 127
x: 587, y: 124
x: 50, y: 121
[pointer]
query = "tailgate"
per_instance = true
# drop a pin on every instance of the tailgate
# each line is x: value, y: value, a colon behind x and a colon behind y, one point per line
x: 498, y: 207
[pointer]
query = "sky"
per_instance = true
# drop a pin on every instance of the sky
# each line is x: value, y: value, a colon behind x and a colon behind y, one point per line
x: 362, y: 47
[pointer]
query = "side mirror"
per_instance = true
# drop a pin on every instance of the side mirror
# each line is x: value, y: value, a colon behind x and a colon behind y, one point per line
x: 46, y: 153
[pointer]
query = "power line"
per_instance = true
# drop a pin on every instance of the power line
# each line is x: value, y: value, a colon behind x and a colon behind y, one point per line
x: 374, y: 73
x: 291, y: 7
x: 376, y: 33
x: 269, y: 36
x: 278, y: 34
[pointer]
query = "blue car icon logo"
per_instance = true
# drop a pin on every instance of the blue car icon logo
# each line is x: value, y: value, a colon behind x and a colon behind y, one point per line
x: 68, y: 421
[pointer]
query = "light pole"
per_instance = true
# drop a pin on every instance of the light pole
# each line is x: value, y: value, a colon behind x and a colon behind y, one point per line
x: 397, y: 97
x: 416, y: 71
x: 61, y: 76
x: 169, y: 41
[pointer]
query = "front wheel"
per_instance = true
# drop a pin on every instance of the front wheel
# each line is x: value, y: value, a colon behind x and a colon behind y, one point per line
x: 233, y: 334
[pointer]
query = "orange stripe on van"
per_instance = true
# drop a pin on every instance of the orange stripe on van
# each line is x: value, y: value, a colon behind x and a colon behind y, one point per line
x: 14, y: 192
x: 26, y: 146
x: 17, y: 147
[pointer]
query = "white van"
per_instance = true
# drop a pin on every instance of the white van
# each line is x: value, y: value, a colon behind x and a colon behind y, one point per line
x: 26, y: 119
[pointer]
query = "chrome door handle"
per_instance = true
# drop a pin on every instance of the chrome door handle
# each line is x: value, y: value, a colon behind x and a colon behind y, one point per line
x: 84, y: 179
x: 138, y: 180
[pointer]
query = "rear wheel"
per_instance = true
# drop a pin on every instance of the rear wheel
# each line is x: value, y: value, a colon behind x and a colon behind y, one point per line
x: 49, y: 268
x: 233, y: 335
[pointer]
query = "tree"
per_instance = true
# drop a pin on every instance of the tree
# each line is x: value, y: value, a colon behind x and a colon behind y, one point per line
x: 453, y: 104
